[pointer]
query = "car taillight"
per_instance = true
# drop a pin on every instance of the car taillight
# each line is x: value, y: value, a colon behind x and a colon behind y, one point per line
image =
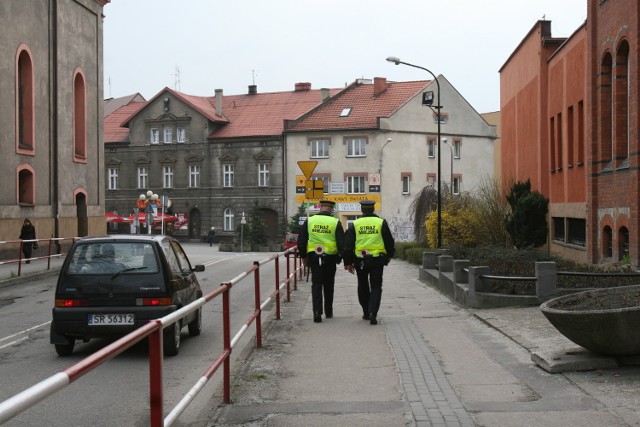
x: 153, y: 301
x: 72, y: 303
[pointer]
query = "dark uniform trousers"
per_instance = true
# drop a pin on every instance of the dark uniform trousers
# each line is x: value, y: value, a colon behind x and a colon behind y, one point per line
x: 369, y: 287
x: 323, y: 277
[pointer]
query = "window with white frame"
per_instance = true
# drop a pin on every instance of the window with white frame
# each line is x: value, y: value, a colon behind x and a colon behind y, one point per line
x: 319, y: 148
x: 355, y: 185
x: 431, y: 180
x: 457, y: 144
x: 167, y: 177
x: 406, y: 182
x: 143, y: 177
x: 229, y: 220
x: 456, y: 185
x: 154, y: 136
x: 227, y: 175
x: 168, y: 135
x: 431, y: 148
x: 181, y: 135
x: 113, y: 179
x: 263, y: 175
x: 356, y: 147
x: 194, y: 176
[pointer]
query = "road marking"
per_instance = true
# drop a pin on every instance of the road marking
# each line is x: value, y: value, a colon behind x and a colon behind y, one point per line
x: 9, y: 344
x: 24, y: 332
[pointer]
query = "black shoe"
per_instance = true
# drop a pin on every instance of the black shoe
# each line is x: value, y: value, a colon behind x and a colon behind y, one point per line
x: 329, y: 315
x: 317, y: 318
x: 365, y: 317
x: 373, y: 320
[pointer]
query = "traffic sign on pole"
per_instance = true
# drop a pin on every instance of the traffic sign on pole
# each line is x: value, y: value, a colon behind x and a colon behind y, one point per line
x: 307, y: 167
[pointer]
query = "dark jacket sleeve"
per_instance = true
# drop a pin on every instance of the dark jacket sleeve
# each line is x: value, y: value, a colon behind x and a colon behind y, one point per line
x: 389, y: 242
x: 349, y: 247
x: 303, y: 239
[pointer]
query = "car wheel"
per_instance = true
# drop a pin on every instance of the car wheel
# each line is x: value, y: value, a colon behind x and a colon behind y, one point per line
x: 195, y: 327
x: 172, y: 339
x: 65, y: 349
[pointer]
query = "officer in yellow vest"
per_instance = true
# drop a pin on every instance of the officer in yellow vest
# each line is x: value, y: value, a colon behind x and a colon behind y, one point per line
x: 368, y: 247
x: 320, y: 244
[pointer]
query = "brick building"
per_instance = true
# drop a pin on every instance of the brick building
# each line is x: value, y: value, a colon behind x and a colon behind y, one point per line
x: 569, y: 109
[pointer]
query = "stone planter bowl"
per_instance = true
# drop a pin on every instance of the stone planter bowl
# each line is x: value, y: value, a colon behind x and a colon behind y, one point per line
x: 606, y: 329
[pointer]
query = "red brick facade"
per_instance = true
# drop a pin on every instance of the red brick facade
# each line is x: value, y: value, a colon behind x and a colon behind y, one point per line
x: 570, y: 125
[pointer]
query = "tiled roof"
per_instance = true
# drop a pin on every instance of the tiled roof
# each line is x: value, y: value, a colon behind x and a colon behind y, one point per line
x: 365, y: 107
x: 114, y: 123
x: 263, y: 114
x: 112, y: 104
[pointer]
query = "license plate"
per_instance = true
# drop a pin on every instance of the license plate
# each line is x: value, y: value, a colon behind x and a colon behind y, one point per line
x: 111, y: 319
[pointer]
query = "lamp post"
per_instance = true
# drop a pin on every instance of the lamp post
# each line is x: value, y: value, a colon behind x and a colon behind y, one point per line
x: 426, y: 100
x: 147, y: 203
x: 451, y: 147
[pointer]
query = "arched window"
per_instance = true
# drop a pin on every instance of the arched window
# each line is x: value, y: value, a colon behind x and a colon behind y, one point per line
x: 607, y: 242
x: 26, y: 186
x: 79, y: 118
x: 621, y: 105
x: 25, y: 108
x: 623, y: 243
x: 606, y: 111
x: 229, y: 223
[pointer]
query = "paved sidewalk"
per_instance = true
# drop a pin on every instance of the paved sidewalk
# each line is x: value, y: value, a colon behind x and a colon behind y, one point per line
x: 428, y: 362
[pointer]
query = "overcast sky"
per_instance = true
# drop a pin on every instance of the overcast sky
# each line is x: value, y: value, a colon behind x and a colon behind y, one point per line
x: 197, y: 46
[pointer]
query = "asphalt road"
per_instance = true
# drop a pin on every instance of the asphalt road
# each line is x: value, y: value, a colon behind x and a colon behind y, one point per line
x: 117, y: 393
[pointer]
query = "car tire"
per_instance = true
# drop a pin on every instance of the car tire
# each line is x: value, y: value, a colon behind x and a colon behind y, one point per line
x: 171, y: 339
x: 65, y: 349
x: 195, y: 326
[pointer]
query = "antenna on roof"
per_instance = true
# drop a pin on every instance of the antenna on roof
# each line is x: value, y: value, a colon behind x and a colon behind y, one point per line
x: 110, y: 87
x: 176, y: 80
x: 253, y: 77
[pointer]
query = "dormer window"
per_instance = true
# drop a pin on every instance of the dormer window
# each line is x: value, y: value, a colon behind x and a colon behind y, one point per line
x: 345, y: 112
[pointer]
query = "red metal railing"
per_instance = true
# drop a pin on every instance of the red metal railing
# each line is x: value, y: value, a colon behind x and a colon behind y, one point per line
x: 55, y: 250
x: 153, y: 330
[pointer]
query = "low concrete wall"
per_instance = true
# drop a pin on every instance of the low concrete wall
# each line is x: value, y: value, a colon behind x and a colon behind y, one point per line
x: 465, y: 284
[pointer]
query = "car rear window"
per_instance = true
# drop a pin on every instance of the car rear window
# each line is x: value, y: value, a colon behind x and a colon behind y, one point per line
x: 113, y: 257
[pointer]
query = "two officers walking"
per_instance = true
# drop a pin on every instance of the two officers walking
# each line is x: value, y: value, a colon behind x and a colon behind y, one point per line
x: 366, y: 247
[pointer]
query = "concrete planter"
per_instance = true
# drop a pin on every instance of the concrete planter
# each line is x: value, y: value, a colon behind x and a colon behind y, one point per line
x: 610, y: 331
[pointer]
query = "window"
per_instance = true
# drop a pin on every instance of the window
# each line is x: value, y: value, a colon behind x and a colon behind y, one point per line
x: 406, y: 180
x: 25, y: 108
x: 431, y: 180
x: 228, y: 220
x: 431, y: 148
x: 168, y: 135
x: 456, y: 185
x: 154, y: 137
x: 263, y: 175
x: 143, y: 177
x: 444, y: 118
x: 607, y: 242
x: 113, y: 179
x: 26, y: 187
x: 457, y: 145
x: 181, y: 135
x: 623, y: 244
x: 227, y: 175
x: 558, y: 229
x: 167, y: 177
x: 355, y: 185
x: 319, y: 148
x: 194, y: 176
x: 345, y: 112
x: 79, y: 118
x: 356, y: 147
x: 577, y: 231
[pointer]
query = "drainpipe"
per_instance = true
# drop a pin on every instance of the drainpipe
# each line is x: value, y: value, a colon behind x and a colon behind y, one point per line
x: 53, y: 116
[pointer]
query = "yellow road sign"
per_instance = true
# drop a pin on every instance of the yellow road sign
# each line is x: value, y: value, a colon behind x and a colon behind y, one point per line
x: 314, y: 188
x: 307, y: 167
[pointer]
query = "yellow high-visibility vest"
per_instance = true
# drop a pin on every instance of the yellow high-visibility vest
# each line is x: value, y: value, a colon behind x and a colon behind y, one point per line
x: 369, y: 236
x: 322, y: 234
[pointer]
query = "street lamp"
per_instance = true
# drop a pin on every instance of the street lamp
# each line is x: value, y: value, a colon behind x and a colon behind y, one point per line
x: 147, y: 203
x: 427, y: 99
x: 451, y: 179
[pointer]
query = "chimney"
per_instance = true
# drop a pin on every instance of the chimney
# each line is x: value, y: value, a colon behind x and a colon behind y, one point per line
x: 219, y: 102
x: 253, y: 89
x: 324, y: 94
x: 303, y: 87
x: 379, y: 85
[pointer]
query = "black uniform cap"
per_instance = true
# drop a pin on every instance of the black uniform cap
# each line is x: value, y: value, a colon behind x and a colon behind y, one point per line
x: 327, y: 203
